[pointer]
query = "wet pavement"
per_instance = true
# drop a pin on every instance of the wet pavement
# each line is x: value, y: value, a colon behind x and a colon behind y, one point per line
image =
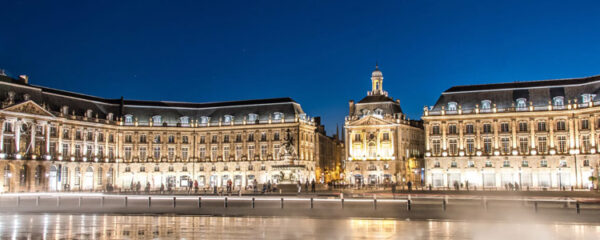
x: 90, y: 226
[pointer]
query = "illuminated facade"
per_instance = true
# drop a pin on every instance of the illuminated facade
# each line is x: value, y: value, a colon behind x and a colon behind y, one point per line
x: 382, y: 145
x: 539, y: 134
x: 52, y: 140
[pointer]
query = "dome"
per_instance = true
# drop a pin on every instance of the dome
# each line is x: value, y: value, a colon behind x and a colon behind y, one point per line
x: 376, y: 72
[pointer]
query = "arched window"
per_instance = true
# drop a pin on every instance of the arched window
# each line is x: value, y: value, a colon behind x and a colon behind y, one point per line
x: 109, y: 176
x: 157, y: 120
x: 452, y: 106
x: 486, y: 104
x: 372, y: 150
x: 128, y: 119
x: 23, y: 175
x: 521, y: 103
x: 558, y: 101
x: 99, y: 176
x: 38, y: 176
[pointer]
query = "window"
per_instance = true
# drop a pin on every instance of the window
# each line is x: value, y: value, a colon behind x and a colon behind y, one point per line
x: 524, y: 163
x: 436, y: 146
x: 157, y: 120
x: 469, y: 129
x: 213, y: 153
x: 523, y: 145
x: 127, y: 153
x: 585, y: 143
x: 202, y: 152
x: 184, y: 139
x: 65, y: 150
x: 252, y: 117
x: 436, y: 164
x: 276, y: 136
x: 99, y: 177
x: 505, y: 145
x: 562, y: 163
x: 542, y: 145
x: 156, y: 152
x: 543, y: 163
x: 204, y: 120
x: 541, y: 126
x: 452, y: 129
x: 226, y: 153
x: 277, y: 116
x: 487, y: 128
x: 386, y: 136
x: 100, y: 137
x: 171, y: 168
x: 470, y: 164
x: 238, y: 152
x: 157, y: 139
x: 100, y: 151
x: 128, y: 139
x: 202, y: 139
x: 504, y: 127
x: 436, y: 130
x: 585, y: 124
x: 486, y: 104
x: 78, y: 135
x: 171, y: 139
x: 251, y: 152
x: 184, y: 154
x: 453, y: 143
x: 143, y: 138
x: 65, y: 133
x: 185, y: 120
x: 226, y: 138
x: 214, y: 139
x: 263, y: 137
x: 506, y: 163
x: 357, y: 137
x: 128, y: 119
x: 142, y: 169
x: 143, y: 154
x: 227, y: 119
x: 378, y: 112
x: 276, y: 151
x: 558, y: 101
x: 487, y: 146
x: 562, y: 144
x: 171, y: 153
x: 250, y: 137
x: 77, y: 150
x: 523, y: 126
x: 488, y: 163
x: 250, y: 167
x: 560, y: 125
x: 586, y: 162
x: 521, y: 104
x: 587, y: 97
x: 453, y: 164
x: 470, y: 146
x: 452, y: 106
x: 263, y: 152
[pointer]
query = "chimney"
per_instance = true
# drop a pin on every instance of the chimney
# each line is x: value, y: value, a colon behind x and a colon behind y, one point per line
x: 24, y: 78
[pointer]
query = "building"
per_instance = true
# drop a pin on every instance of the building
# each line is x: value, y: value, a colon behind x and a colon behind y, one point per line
x: 539, y: 134
x: 331, y: 154
x: 54, y: 140
x: 382, y: 144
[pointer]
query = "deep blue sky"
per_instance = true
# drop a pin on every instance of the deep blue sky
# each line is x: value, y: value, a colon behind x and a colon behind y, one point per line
x: 320, y: 53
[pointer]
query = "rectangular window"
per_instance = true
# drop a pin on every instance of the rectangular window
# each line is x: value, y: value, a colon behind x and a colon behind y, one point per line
x: 143, y: 154
x: 585, y: 124
x: 263, y: 137
x: 505, y: 145
x: 111, y: 152
x: 487, y: 128
x: 128, y: 139
x: 184, y: 154
x: 276, y: 151
x: 541, y: 126
x: 127, y: 153
x: 157, y: 153
x: 157, y: 139
x: 226, y: 153
x: 171, y: 153
x: 276, y: 136
x: 487, y: 146
x: 504, y: 127
x: 143, y: 138
x: 263, y: 152
x: 585, y: 143
x: 469, y: 129
x: 470, y: 146
x: 560, y: 125
x: 436, y: 147
x: 202, y: 139
x: 250, y: 137
x: 202, y: 152
x: 542, y: 145
x: 523, y: 145
x: 357, y: 137
x: 452, y: 129
x: 213, y: 153
x: 184, y: 139
x: 77, y: 150
x: 522, y: 126
x: 226, y: 138
x: 100, y: 151
x: 250, y: 152
x: 65, y: 150
x: 238, y: 138
x: 436, y: 130
x: 453, y: 143
x: 562, y: 144
x: 238, y: 152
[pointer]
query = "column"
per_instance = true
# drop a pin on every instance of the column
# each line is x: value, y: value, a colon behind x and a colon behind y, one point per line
x: 48, y: 138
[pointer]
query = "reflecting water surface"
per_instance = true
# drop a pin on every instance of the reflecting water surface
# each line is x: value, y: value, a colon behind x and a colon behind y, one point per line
x: 65, y: 226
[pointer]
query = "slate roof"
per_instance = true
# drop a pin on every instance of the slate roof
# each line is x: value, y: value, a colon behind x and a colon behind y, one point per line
x: 505, y: 94
x: 170, y: 112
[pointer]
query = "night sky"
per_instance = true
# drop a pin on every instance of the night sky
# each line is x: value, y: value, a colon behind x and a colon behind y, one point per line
x: 320, y: 53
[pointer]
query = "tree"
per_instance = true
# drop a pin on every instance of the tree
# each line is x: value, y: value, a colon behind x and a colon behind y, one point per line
x: 593, y: 180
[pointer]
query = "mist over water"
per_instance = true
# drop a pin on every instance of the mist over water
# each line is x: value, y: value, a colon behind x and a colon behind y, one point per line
x: 72, y: 226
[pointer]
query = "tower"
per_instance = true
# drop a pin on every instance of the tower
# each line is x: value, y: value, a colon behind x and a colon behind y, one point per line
x: 377, y: 82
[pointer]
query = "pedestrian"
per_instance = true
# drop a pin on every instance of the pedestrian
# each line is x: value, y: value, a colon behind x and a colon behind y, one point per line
x: 306, y: 185
x: 409, y: 184
x: 147, y: 189
x: 269, y: 186
x: 162, y: 188
x: 312, y: 185
x: 299, y: 185
x: 264, y: 188
x: 196, y: 186
x: 393, y: 187
x: 255, y: 186
x: 138, y: 187
x: 215, y: 189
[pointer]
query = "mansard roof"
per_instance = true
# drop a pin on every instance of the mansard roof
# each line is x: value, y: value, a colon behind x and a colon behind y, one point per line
x: 54, y: 99
x: 504, y: 95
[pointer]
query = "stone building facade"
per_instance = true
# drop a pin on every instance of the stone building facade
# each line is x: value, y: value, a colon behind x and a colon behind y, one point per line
x: 539, y: 134
x: 53, y: 140
x: 382, y: 144
x: 331, y: 154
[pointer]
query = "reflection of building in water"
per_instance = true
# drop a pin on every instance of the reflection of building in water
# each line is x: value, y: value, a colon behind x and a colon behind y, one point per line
x: 382, y: 145
x: 538, y: 134
x: 53, y: 140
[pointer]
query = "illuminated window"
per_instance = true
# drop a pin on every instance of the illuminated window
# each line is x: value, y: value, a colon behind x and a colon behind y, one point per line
x: 157, y: 120
x: 128, y: 119
x: 227, y: 119
x: 559, y: 101
x: 452, y: 106
x: 521, y: 104
x: 486, y: 104
x: 185, y: 120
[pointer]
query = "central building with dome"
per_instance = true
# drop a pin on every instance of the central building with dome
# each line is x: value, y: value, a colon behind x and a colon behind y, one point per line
x: 382, y: 144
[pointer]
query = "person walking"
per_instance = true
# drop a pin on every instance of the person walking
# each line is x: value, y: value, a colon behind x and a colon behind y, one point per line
x: 196, y: 186
x: 312, y: 185
x: 299, y: 185
x: 255, y: 186
x: 162, y: 188
x: 409, y: 184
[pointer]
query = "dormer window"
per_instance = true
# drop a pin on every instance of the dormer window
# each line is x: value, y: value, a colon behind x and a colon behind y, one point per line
x: 277, y: 116
x: 486, y: 104
x: 88, y: 113
x: 185, y: 120
x: 302, y: 116
x: 252, y: 117
x: 379, y: 111
x: 558, y: 101
x: 65, y: 110
x: 128, y: 119
x: 109, y: 116
x: 452, y: 106
x: 227, y: 119
x: 587, y: 97
x: 204, y: 120
x: 521, y: 103
x: 365, y: 112
x: 157, y: 120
